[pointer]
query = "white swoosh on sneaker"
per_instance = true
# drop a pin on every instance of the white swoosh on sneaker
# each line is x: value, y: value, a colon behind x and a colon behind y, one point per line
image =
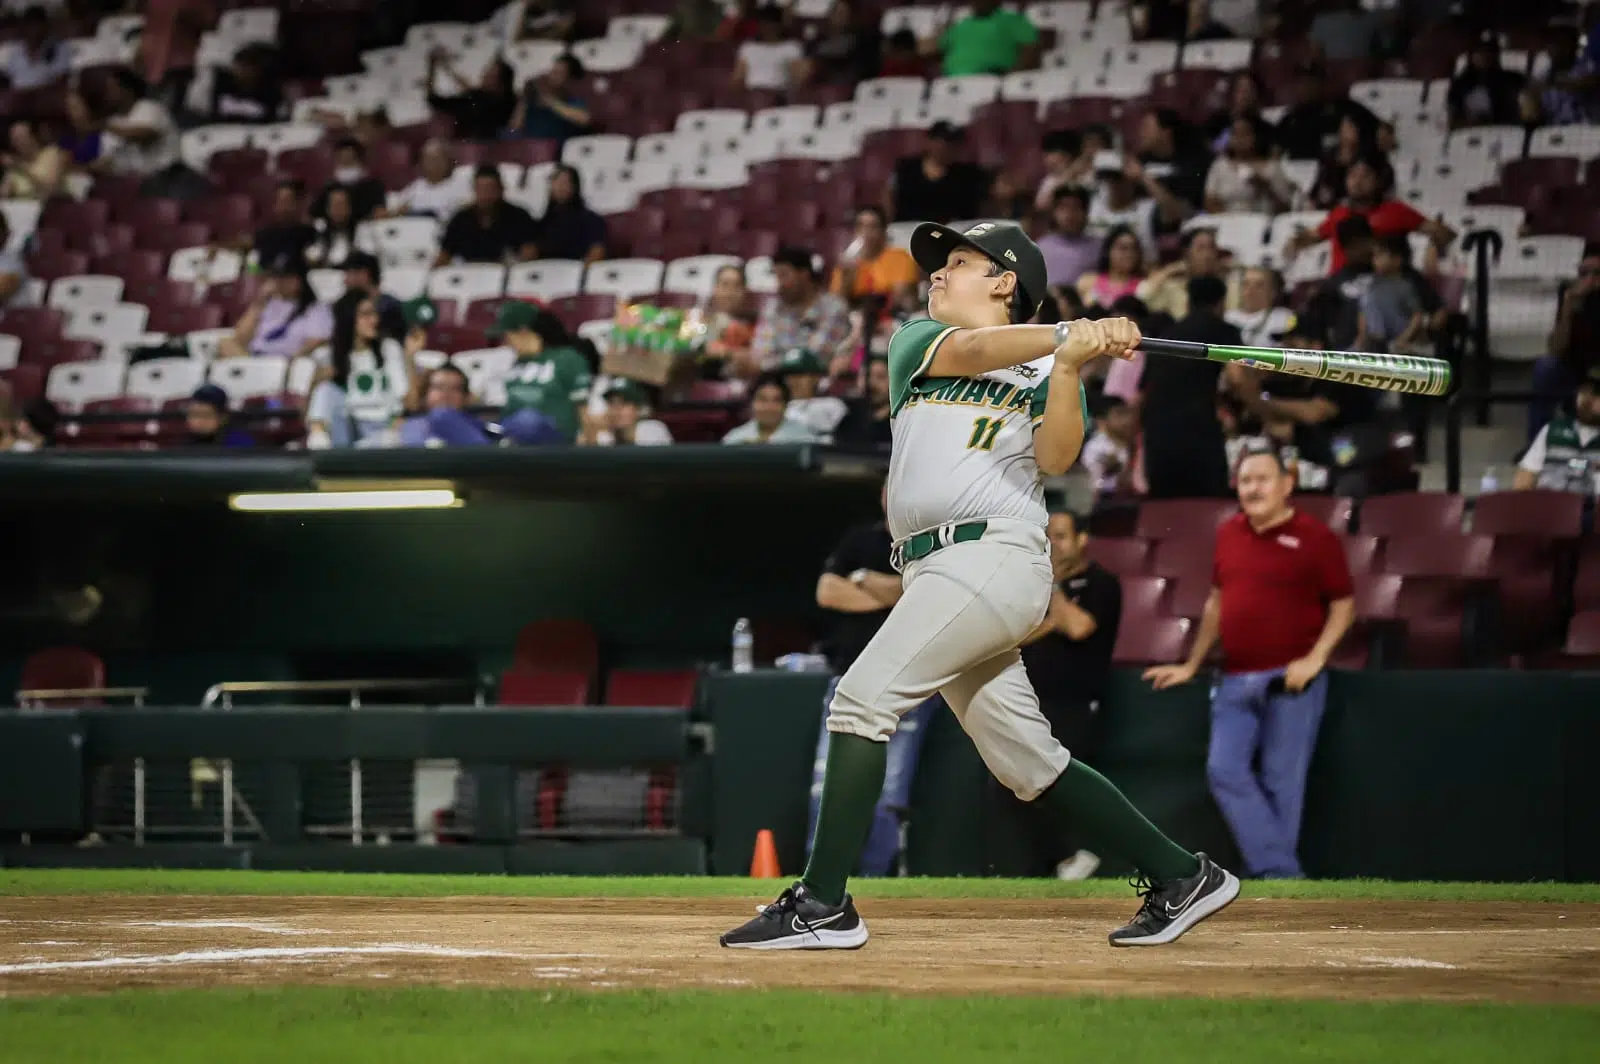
x: 801, y: 928
x: 1174, y: 911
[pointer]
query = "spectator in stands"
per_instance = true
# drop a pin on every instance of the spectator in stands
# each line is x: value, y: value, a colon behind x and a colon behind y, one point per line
x: 741, y: 24
x: 989, y: 40
x: 1246, y: 176
x: 544, y: 20
x: 569, y: 228
x: 13, y: 268
x: 364, y: 379
x: 1574, y: 343
x: 902, y: 57
x: 846, y: 50
x: 444, y: 420
x: 205, y: 420
x: 1166, y: 290
x: 1355, y: 141
x: 1068, y: 658
x: 624, y: 422
x: 1108, y: 456
x: 1259, y: 317
x: 364, y: 273
x: 1332, y: 317
x: 434, y: 193
x: 482, y: 110
x: 1343, y: 31
x: 1281, y: 600
x: 1119, y: 271
x: 694, y: 20
x: 1367, y: 187
x: 1005, y: 199
x: 1392, y: 316
x: 769, y: 399
x: 1310, y: 126
x: 81, y: 140
x: 1184, y: 454
x: 38, y: 59
x: 1200, y: 26
x: 1064, y: 166
x: 801, y: 315
x: 772, y: 61
x: 730, y: 316
x: 249, y: 91
x: 1485, y: 93
x: 141, y: 139
x: 1169, y: 168
x: 35, y: 167
x: 803, y: 373
x: 1570, y: 93
x: 34, y: 430
x: 489, y: 229
x: 1565, y: 455
x: 550, y: 107
x: 336, y: 230
x: 1245, y: 99
x: 935, y: 186
x: 367, y: 194
x: 283, y: 319
x: 1118, y: 203
x: 1069, y: 250
x: 870, y: 265
x: 548, y: 383
x: 867, y: 422
x: 289, y: 232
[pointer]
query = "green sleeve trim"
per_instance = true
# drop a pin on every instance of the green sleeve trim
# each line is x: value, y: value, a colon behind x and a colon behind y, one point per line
x: 911, y: 351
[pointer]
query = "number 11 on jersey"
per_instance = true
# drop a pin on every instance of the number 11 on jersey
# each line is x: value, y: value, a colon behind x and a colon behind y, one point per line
x: 984, y: 430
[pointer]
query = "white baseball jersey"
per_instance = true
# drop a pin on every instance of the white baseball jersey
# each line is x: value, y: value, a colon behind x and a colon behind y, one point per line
x: 963, y: 446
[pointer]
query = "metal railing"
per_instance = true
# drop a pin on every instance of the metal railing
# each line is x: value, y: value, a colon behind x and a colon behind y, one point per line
x: 42, y: 697
x: 63, y: 694
x: 1454, y: 411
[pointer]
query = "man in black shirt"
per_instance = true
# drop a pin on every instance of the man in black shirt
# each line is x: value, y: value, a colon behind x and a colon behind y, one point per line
x: 866, y: 423
x: 1184, y: 452
x: 367, y: 194
x: 859, y: 587
x: 289, y: 232
x: 1068, y: 658
x: 1311, y: 126
x: 934, y: 186
x: 489, y: 229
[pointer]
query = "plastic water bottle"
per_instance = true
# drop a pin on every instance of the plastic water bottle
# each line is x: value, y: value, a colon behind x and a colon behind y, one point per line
x: 744, y: 644
x: 1489, y: 483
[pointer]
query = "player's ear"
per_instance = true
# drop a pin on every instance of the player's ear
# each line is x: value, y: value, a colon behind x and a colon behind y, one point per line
x: 1005, y: 285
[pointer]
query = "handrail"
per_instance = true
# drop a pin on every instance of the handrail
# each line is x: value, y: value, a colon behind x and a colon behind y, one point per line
x: 1481, y: 398
x: 355, y: 687
x: 46, y: 693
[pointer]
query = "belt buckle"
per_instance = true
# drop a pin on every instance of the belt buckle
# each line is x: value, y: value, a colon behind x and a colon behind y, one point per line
x: 897, y: 556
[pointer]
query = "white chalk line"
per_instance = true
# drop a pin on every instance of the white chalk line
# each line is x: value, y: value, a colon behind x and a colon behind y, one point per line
x: 280, y: 954
x: 238, y: 925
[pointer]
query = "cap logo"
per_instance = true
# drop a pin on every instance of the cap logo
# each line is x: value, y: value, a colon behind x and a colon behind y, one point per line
x: 979, y: 230
x: 1012, y: 255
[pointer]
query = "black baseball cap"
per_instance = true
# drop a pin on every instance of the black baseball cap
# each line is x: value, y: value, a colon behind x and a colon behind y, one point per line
x: 1003, y: 243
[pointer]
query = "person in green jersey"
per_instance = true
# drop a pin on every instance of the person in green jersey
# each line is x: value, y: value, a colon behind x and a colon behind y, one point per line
x: 547, y: 385
x: 981, y: 406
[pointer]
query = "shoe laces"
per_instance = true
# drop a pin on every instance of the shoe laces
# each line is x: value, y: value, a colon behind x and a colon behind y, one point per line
x: 1148, y: 890
x: 788, y: 904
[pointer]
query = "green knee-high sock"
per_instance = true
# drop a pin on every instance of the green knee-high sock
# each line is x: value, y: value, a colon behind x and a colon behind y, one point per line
x: 1083, y: 796
x: 850, y: 790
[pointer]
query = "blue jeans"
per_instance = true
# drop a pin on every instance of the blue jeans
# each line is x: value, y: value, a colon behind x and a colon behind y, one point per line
x: 905, y: 746
x: 327, y: 405
x: 1263, y: 807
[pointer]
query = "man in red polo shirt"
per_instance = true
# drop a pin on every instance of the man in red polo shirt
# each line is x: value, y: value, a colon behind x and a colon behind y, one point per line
x: 1367, y: 185
x: 1281, y: 599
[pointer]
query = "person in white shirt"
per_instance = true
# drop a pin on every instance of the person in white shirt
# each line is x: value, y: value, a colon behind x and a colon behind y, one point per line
x: 37, y: 59
x: 1117, y: 203
x: 1108, y: 455
x: 769, y: 400
x: 802, y: 372
x: 1259, y: 318
x: 1245, y: 177
x: 1565, y: 456
x: 623, y: 423
x: 141, y: 139
x: 769, y: 61
x: 435, y: 193
x: 364, y: 378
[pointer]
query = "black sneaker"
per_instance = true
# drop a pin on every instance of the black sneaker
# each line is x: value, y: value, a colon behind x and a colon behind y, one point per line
x: 1170, y: 909
x: 799, y: 921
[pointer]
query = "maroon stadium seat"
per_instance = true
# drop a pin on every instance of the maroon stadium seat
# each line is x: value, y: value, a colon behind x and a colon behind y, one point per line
x: 1362, y: 552
x: 1182, y: 557
x: 1537, y: 514
x: 25, y: 382
x: 1150, y: 640
x: 73, y: 215
x: 773, y: 637
x: 62, y: 668
x: 1586, y: 582
x: 54, y: 265
x: 557, y: 644
x: 1125, y: 556
x: 651, y: 687
x: 1411, y: 514
x: 1196, y: 518
x: 227, y: 216
x: 132, y: 265
x: 1144, y: 596
x: 543, y: 687
x: 1331, y: 510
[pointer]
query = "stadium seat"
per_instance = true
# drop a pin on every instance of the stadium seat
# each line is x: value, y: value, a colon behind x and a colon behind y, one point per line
x: 1122, y: 555
x: 1181, y: 557
x: 651, y: 687
x: 71, y: 385
x: 1332, y: 510
x: 160, y: 380
x: 62, y: 668
x: 1411, y: 514
x: 557, y: 644
x: 70, y: 294
x: 1536, y: 514
x: 1362, y: 553
x: 25, y: 381
x: 774, y: 637
x: 545, y: 280
x: 1144, y: 640
x: 1195, y: 518
x: 521, y: 686
x: 259, y: 376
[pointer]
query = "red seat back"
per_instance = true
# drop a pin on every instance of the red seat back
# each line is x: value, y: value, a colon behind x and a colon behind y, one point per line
x: 544, y: 687
x: 651, y: 687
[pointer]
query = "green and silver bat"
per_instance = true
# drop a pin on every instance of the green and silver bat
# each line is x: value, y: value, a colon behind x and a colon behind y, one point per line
x: 1392, y: 373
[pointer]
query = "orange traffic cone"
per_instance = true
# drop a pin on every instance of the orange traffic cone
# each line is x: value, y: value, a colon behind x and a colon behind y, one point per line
x: 764, y: 863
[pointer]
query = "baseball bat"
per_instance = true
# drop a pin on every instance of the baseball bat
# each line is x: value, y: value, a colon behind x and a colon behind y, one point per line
x: 1392, y: 373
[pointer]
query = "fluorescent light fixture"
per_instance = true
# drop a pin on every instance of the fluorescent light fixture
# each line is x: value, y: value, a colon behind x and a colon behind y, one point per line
x: 270, y: 502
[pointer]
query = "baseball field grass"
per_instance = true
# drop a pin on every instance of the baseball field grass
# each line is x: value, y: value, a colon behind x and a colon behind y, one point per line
x: 245, y: 973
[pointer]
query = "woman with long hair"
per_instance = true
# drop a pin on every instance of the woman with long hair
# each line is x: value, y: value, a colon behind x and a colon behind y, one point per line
x: 568, y: 229
x: 363, y: 377
x: 34, y: 166
x: 283, y: 319
x: 1355, y: 142
x: 1245, y: 98
x: 1119, y: 271
x: 730, y: 314
x: 1247, y: 176
x: 336, y: 231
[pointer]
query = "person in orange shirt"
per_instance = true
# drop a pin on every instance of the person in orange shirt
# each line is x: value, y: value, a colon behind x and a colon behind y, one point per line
x: 870, y: 267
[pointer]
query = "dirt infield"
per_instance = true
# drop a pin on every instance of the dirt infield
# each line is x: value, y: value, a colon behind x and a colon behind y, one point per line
x: 1372, y: 950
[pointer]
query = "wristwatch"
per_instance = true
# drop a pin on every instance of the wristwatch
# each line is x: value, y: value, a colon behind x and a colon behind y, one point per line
x: 858, y: 577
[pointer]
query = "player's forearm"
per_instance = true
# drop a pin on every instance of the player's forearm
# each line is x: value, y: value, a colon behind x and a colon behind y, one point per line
x: 1341, y: 615
x: 1206, y: 637
x: 886, y: 588
x: 1059, y: 437
x: 836, y: 593
x: 972, y: 352
x: 1072, y: 620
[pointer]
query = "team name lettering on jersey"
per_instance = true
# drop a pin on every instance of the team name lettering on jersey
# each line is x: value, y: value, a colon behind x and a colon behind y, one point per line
x: 968, y: 391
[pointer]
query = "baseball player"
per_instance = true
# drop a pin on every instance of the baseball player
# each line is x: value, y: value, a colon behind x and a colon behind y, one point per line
x: 981, y: 406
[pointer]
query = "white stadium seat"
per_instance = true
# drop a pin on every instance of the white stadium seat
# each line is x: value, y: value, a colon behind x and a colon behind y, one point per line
x: 759, y: 276
x: 85, y: 291
x: 204, y: 264
x: 624, y: 278
x: 404, y: 282
x: 327, y: 284
x: 825, y: 144
x: 1039, y: 86
x: 389, y: 233
x: 286, y: 136
x: 198, y: 145
x: 162, y: 379
x: 1497, y: 143
x: 972, y: 91
x: 485, y: 367
x: 714, y: 122
x: 1540, y: 258
x: 1388, y: 97
x: 597, y: 149
x: 545, y: 280
x: 606, y: 55
x: 114, y: 326
x: 1217, y: 55
x: 1582, y: 142
x: 249, y: 378
x: 896, y: 92
x: 715, y: 174
x: 303, y: 373
x: 10, y: 351
x: 468, y: 282
x: 787, y: 121
x: 72, y: 384
x: 695, y: 275
x: 204, y: 343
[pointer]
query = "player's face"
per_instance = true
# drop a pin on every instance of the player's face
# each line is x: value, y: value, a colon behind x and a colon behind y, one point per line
x: 793, y: 284
x: 964, y: 289
x: 1263, y: 487
x: 728, y: 293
